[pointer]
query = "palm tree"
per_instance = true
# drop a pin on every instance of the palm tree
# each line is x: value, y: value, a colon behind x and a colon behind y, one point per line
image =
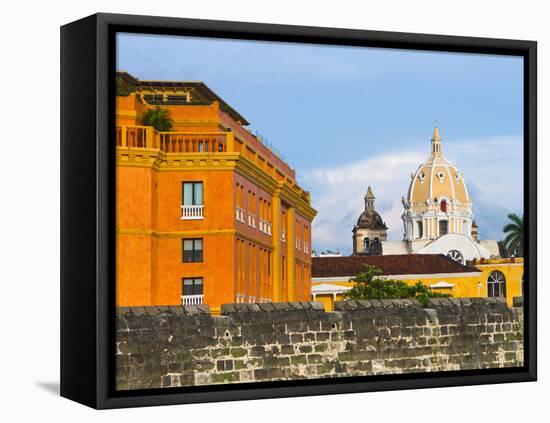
x: 158, y: 118
x: 514, y: 237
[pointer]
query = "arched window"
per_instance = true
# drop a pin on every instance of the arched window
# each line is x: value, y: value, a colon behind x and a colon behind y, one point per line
x: 366, y: 245
x: 420, y: 232
x: 456, y: 256
x: 496, y: 284
x: 443, y: 206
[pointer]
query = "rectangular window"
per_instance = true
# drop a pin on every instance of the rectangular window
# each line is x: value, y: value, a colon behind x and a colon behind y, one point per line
x: 443, y: 227
x: 192, y: 286
x: 192, y: 194
x: 192, y: 250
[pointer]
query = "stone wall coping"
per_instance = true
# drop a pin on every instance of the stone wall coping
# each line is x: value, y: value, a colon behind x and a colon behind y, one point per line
x: 339, y: 306
x: 192, y: 310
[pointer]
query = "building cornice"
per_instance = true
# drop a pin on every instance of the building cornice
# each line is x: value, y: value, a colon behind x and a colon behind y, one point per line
x: 233, y: 161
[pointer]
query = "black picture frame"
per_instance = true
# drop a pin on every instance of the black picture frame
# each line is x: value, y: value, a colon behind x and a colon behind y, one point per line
x: 87, y: 208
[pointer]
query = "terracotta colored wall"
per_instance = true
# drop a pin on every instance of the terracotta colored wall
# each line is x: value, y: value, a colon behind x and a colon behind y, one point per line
x: 150, y: 230
x: 215, y: 269
x: 134, y: 243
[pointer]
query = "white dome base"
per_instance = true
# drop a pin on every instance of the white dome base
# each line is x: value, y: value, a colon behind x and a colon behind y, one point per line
x: 456, y: 242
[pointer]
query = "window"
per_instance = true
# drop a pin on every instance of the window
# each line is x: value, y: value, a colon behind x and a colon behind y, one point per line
x: 456, y: 256
x: 366, y: 245
x: 192, y: 250
x: 443, y: 206
x: 192, y: 194
x: 420, y: 231
x: 522, y: 283
x: 496, y: 284
x: 443, y: 227
x: 192, y: 286
x: 192, y: 207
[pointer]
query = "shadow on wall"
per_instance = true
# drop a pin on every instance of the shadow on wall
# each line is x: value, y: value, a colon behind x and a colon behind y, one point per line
x: 50, y: 387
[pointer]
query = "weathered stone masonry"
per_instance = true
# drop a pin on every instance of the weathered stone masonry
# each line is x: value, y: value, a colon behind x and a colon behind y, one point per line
x: 183, y: 346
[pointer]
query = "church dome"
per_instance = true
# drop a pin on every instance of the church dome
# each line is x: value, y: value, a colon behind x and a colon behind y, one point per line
x: 437, y: 202
x: 370, y: 219
x: 437, y: 180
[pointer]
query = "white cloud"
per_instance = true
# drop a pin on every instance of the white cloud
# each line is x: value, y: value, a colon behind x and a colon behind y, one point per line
x: 337, y: 194
x: 493, y: 166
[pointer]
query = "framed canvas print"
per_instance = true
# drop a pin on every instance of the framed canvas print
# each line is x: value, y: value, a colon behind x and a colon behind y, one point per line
x: 255, y: 211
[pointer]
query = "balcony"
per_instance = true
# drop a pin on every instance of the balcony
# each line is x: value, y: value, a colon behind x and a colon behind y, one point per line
x: 136, y: 136
x: 192, y: 212
x: 239, y: 214
x: 242, y: 298
x: 306, y: 247
x: 192, y: 299
x: 252, y: 220
x: 265, y: 227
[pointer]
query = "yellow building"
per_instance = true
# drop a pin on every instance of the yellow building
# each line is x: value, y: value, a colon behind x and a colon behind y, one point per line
x: 205, y: 213
x: 482, y: 278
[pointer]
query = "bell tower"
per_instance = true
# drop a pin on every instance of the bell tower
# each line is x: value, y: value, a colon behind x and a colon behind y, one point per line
x: 370, y: 230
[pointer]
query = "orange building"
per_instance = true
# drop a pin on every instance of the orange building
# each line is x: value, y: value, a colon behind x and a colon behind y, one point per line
x: 205, y: 213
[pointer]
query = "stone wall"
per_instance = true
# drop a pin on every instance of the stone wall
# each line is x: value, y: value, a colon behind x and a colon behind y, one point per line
x: 185, y: 346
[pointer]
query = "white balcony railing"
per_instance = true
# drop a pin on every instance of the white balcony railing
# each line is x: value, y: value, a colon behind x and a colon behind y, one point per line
x: 251, y: 220
x: 265, y: 227
x: 306, y: 247
x: 191, y: 299
x: 239, y: 214
x: 192, y: 212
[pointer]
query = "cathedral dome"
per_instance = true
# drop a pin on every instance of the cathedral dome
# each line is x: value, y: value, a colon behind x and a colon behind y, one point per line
x: 437, y: 180
x: 437, y: 202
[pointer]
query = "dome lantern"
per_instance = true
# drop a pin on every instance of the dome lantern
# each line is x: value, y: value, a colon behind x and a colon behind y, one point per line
x: 369, y: 199
x: 436, y: 143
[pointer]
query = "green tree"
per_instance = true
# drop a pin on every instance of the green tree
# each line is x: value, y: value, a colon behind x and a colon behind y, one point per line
x: 124, y: 87
x: 158, y: 118
x: 514, y: 235
x: 367, y: 286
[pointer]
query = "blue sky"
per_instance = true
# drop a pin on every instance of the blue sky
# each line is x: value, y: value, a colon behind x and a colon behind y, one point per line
x: 349, y: 117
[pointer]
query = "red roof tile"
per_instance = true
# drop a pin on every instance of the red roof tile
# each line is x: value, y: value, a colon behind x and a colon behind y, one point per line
x: 404, y: 264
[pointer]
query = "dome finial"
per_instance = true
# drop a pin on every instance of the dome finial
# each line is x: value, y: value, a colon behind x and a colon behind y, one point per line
x: 436, y: 143
x: 370, y: 194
